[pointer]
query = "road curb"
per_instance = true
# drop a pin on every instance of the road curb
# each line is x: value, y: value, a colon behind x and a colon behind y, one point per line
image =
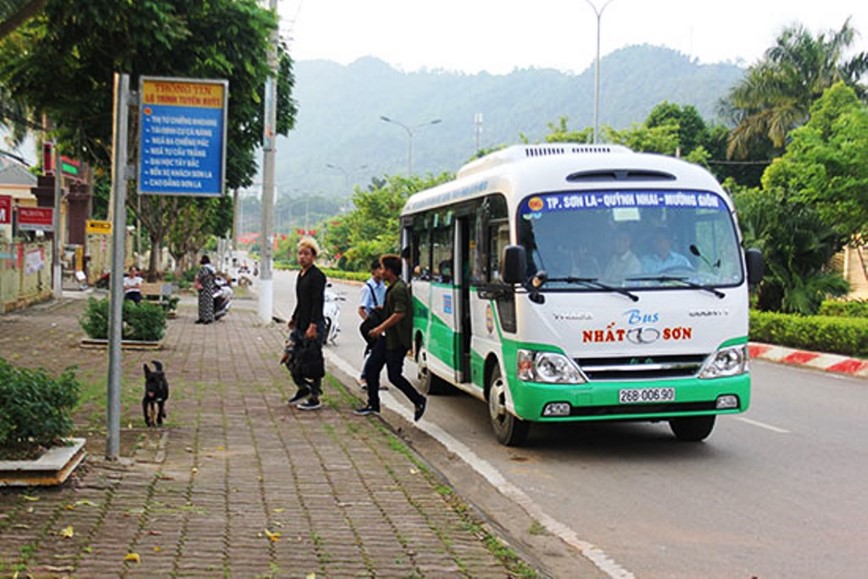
x: 832, y: 363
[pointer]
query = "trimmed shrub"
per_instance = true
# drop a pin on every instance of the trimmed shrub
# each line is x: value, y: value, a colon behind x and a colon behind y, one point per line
x: 36, y: 409
x: 844, y: 308
x: 144, y: 321
x: 834, y: 335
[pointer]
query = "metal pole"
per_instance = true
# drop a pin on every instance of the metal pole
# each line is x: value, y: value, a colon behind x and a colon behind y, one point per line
x: 599, y: 14
x: 266, y: 281
x: 116, y: 303
x: 409, y: 152
x: 410, y: 138
x: 56, y: 239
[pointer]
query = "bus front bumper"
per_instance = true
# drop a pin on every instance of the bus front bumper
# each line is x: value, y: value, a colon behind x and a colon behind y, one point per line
x: 662, y: 399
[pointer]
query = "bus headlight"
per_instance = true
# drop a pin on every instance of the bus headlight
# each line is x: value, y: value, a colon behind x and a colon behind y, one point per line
x: 533, y: 366
x: 726, y: 362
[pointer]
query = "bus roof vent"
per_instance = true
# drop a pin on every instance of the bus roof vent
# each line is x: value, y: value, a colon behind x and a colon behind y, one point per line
x: 521, y: 152
x: 598, y: 175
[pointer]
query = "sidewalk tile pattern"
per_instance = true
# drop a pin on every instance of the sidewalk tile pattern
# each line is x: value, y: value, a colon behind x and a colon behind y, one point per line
x: 238, y: 483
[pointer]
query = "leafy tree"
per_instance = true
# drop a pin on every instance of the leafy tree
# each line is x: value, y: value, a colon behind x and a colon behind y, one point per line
x: 79, y: 44
x: 797, y: 247
x: 826, y: 163
x: 188, y: 229
x: 373, y: 227
x: 13, y: 13
x: 560, y: 133
x: 776, y: 93
x: 689, y: 125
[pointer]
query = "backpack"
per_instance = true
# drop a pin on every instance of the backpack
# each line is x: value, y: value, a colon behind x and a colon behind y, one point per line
x: 374, y: 319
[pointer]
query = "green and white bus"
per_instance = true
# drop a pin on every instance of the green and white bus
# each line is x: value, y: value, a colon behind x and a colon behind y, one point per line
x: 567, y: 282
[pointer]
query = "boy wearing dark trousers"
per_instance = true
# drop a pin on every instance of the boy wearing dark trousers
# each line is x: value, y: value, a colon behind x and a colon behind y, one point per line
x: 393, y: 341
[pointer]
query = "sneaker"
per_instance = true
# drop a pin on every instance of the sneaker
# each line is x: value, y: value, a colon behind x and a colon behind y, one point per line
x: 420, y: 409
x: 365, y: 411
x: 310, y: 404
x: 299, y: 396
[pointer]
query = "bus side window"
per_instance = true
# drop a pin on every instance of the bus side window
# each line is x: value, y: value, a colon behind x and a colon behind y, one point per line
x: 442, y: 254
x: 499, y: 239
x: 422, y: 265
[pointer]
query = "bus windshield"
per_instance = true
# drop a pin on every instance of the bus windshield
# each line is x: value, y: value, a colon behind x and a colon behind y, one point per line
x: 642, y: 239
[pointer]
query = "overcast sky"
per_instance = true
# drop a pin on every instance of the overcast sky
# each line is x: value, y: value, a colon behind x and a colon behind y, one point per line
x: 499, y: 36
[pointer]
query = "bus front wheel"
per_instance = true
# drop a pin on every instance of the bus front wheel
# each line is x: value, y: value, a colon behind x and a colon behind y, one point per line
x: 693, y: 429
x: 429, y: 383
x: 509, y: 430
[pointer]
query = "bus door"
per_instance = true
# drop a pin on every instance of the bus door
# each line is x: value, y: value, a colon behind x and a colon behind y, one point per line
x: 462, y: 299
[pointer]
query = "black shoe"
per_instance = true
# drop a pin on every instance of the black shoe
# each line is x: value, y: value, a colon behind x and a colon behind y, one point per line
x: 420, y: 409
x: 366, y: 410
x: 310, y: 404
x: 299, y: 396
x: 198, y: 322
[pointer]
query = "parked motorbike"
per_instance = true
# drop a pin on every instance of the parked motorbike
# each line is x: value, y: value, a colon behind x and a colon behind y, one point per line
x: 103, y: 281
x: 222, y: 297
x: 332, y: 312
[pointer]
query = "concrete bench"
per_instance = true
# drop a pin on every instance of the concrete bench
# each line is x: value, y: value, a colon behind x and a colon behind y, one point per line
x: 157, y: 291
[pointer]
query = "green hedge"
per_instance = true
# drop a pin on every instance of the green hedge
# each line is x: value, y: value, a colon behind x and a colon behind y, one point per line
x: 329, y: 272
x: 35, y: 408
x: 144, y: 322
x: 830, y: 334
x: 844, y: 308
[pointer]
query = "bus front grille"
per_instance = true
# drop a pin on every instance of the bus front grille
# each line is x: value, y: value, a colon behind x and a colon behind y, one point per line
x: 641, y: 367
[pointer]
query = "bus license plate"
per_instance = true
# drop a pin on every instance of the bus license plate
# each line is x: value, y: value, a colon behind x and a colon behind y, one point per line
x: 640, y: 395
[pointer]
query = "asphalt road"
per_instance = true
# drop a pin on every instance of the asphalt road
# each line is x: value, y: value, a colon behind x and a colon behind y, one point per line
x: 776, y: 492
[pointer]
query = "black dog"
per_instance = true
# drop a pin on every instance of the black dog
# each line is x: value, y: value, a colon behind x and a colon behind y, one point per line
x: 156, y: 394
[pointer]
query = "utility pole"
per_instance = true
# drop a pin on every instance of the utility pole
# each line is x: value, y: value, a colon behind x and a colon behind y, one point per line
x: 119, y: 219
x: 56, y: 239
x: 599, y: 14
x: 266, y: 240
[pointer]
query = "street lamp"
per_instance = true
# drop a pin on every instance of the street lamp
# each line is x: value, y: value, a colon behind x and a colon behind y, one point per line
x: 410, y: 137
x: 599, y: 14
x: 345, y: 172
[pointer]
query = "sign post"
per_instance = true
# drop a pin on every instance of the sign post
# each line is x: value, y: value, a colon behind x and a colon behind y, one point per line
x: 5, y: 209
x: 35, y: 219
x: 96, y: 227
x: 182, y: 139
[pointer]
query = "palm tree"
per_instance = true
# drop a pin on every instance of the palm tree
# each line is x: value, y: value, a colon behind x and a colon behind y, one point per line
x: 14, y: 12
x: 776, y: 94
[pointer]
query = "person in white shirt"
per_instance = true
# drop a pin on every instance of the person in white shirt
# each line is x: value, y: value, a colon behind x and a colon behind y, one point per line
x: 662, y: 257
x: 133, y: 285
x: 623, y: 262
x: 372, y: 297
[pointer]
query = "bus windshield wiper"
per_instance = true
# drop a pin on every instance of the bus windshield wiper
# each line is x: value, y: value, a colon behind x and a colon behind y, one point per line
x: 592, y: 281
x: 681, y: 279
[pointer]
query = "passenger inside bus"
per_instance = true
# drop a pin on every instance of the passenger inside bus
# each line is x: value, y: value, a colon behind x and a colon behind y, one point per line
x: 623, y: 262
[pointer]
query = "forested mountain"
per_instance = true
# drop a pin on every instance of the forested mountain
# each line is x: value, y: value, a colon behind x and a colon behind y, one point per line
x: 340, y: 108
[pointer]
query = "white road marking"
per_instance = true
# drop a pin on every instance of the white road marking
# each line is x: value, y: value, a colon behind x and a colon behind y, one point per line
x: 763, y: 425
x: 485, y: 469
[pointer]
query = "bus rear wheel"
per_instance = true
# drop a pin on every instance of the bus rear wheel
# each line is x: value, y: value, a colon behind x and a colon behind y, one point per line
x: 509, y: 430
x: 693, y: 429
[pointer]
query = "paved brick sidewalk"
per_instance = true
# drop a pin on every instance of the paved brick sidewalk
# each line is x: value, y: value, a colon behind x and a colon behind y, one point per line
x: 339, y: 495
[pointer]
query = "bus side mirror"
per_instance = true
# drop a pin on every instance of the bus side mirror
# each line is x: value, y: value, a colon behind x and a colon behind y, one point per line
x: 514, y: 265
x: 755, y: 266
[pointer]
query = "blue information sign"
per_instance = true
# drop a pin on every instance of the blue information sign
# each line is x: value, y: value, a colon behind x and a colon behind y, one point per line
x: 182, y: 145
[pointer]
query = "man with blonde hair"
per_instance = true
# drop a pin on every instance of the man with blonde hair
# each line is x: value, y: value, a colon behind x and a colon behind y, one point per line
x: 307, y: 325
